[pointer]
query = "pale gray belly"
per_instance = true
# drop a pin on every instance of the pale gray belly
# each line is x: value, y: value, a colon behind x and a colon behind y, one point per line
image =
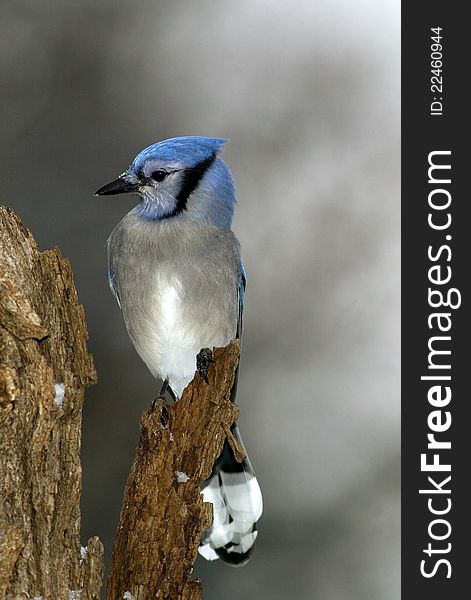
x: 173, y: 320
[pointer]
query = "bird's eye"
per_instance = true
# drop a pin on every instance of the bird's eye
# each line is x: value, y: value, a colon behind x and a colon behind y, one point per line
x: 159, y: 175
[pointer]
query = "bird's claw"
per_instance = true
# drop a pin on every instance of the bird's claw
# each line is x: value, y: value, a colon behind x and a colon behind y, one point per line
x: 164, y: 415
x: 155, y: 400
x: 203, y: 359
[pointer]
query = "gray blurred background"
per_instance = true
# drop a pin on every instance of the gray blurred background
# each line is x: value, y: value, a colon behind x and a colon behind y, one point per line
x: 308, y: 92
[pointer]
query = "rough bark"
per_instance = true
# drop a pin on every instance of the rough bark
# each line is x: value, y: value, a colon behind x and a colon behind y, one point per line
x: 163, y: 514
x: 44, y: 368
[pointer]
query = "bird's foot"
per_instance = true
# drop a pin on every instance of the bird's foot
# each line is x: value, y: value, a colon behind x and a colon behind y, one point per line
x: 165, y: 391
x: 164, y: 417
x: 203, y: 359
x: 161, y: 395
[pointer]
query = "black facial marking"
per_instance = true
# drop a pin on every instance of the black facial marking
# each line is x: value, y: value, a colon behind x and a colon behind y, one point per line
x: 191, y: 178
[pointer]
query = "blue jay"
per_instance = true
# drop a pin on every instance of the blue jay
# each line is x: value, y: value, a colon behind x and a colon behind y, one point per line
x: 175, y: 269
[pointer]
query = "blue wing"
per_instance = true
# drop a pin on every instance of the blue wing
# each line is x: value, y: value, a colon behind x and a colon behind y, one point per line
x: 112, y: 282
x: 241, y: 295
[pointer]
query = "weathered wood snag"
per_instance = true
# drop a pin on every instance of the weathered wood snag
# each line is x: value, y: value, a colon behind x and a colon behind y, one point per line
x: 44, y: 368
x: 163, y: 513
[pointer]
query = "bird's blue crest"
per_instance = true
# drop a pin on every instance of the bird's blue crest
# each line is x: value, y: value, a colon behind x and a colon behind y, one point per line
x: 188, y: 151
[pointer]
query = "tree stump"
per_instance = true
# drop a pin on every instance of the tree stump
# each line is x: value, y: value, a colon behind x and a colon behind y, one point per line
x: 44, y: 368
x: 163, y: 513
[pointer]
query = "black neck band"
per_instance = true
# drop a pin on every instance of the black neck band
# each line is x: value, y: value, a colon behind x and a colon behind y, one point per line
x: 191, y: 178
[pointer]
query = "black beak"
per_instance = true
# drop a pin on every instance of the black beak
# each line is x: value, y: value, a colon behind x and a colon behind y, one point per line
x: 118, y: 186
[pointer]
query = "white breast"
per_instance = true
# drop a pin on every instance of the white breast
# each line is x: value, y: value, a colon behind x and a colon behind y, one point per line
x: 169, y: 342
x: 168, y: 298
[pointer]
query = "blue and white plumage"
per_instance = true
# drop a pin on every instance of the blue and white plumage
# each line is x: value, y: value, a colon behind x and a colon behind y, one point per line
x: 176, y: 272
